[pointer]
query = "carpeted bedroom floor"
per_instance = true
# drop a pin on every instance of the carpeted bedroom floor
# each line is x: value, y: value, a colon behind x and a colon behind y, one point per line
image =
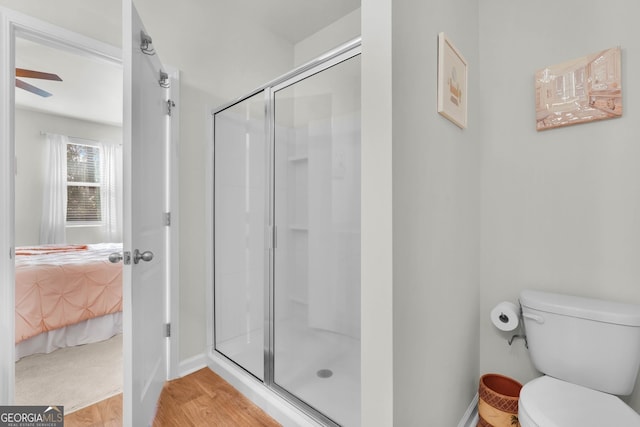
x: 74, y: 377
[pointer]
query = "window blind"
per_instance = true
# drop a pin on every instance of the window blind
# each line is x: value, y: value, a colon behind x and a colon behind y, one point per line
x: 83, y: 183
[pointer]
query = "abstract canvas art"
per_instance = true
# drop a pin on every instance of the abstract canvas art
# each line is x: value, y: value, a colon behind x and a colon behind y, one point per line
x: 579, y: 91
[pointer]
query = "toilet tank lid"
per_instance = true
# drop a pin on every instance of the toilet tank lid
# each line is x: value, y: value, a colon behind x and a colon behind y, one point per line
x: 586, y: 308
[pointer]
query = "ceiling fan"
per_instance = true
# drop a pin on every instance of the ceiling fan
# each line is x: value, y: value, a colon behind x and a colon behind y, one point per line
x: 30, y: 74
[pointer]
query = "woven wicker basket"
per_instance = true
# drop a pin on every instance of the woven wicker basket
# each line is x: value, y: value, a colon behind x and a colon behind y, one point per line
x: 498, y: 401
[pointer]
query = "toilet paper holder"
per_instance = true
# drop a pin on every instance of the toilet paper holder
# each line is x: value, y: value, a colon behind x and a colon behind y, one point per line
x: 522, y: 336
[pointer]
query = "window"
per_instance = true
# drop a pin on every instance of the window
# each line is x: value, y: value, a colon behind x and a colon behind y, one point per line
x: 83, y: 184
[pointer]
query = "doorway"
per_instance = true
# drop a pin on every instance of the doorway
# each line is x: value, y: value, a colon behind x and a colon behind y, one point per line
x: 72, y: 100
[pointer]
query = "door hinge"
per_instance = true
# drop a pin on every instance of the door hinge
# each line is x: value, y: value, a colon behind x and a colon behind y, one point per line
x: 126, y: 257
x: 167, y: 330
x: 167, y: 219
x: 164, y: 81
x: 170, y: 105
x: 146, y: 44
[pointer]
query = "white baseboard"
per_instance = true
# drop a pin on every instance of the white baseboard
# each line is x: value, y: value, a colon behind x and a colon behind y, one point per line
x: 192, y: 364
x: 470, y: 417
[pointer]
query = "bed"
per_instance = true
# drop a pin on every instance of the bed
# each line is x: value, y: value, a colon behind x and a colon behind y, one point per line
x: 66, y: 295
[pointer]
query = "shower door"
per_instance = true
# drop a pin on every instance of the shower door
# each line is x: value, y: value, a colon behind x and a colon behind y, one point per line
x: 316, y: 302
x: 287, y: 236
x: 240, y: 245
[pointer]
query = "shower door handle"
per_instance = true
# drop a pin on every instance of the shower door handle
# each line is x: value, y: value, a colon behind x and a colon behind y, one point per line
x: 272, y: 241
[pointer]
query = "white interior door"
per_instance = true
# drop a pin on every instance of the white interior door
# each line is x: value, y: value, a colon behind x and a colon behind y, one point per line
x: 146, y: 125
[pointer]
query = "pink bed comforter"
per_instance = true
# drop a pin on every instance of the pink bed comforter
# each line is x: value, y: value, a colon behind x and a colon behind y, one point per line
x: 57, y: 287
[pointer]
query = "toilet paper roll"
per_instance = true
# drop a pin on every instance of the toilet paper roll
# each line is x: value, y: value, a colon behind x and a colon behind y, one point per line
x: 505, y: 317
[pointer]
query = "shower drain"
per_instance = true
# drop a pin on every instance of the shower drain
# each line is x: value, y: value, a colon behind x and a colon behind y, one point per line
x: 324, y: 373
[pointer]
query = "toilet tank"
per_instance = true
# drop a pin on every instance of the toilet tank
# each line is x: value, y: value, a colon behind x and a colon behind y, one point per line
x: 590, y: 342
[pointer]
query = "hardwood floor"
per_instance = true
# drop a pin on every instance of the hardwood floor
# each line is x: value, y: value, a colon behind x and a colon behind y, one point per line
x: 199, y: 399
x: 106, y: 413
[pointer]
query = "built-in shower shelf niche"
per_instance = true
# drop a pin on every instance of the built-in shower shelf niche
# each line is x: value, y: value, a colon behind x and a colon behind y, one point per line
x: 298, y: 300
x: 298, y: 227
x: 298, y: 159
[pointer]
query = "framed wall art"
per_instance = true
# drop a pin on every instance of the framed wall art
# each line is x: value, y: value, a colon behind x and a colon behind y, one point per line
x: 579, y: 91
x: 452, y: 82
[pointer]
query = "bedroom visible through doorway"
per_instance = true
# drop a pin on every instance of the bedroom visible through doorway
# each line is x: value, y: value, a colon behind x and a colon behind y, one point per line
x: 68, y: 219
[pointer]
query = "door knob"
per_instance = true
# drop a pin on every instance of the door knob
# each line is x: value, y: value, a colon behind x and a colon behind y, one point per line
x: 115, y: 257
x: 144, y: 256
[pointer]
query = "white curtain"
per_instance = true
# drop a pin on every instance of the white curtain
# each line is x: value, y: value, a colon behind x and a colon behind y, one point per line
x: 111, y: 192
x: 54, y: 202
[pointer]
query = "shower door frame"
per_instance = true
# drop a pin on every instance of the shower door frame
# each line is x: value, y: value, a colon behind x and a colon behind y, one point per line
x: 334, y: 57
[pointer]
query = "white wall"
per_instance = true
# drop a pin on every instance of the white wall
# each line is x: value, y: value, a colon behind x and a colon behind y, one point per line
x: 97, y: 19
x: 560, y: 208
x: 343, y: 30
x: 30, y: 157
x: 436, y: 207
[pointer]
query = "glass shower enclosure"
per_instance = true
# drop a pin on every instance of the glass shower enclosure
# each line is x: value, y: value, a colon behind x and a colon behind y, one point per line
x: 287, y: 236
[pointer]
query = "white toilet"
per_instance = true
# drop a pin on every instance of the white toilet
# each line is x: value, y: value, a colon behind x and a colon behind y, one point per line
x: 589, y: 351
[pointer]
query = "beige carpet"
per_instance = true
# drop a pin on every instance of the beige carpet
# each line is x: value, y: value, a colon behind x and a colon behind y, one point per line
x: 74, y: 377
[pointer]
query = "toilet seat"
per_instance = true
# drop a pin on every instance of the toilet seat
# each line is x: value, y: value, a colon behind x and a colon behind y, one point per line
x: 549, y: 402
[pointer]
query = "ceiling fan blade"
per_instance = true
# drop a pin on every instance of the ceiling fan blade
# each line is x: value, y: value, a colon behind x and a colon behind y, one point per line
x: 26, y: 86
x: 21, y: 72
